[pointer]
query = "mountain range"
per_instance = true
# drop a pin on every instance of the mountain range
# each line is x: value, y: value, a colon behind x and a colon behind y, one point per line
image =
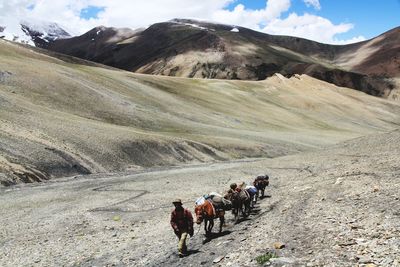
x: 198, y: 49
x: 195, y: 49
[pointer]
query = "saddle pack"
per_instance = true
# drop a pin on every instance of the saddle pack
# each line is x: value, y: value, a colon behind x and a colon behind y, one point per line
x: 216, y: 200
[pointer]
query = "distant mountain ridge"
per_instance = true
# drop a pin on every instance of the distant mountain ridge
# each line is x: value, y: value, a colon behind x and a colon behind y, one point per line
x: 198, y: 49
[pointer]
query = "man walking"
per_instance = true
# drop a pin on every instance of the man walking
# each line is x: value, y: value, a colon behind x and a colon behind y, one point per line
x: 182, y: 223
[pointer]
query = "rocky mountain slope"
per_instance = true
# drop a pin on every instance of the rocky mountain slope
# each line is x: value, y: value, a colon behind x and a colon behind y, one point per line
x: 379, y: 56
x: 63, y: 116
x: 196, y: 49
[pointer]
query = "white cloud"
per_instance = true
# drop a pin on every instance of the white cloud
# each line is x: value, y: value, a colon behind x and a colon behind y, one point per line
x: 311, y: 27
x: 139, y: 13
x: 314, y: 3
x: 270, y: 20
x: 356, y: 39
x: 252, y: 18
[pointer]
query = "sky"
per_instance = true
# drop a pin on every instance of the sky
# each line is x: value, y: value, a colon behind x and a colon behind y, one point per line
x: 327, y: 21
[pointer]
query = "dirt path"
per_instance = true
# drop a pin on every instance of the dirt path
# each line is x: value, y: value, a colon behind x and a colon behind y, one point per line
x: 337, y: 207
x: 97, y: 220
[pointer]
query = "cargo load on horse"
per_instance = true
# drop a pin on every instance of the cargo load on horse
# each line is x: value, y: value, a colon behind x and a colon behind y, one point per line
x: 253, y: 192
x: 251, y: 189
x: 217, y: 200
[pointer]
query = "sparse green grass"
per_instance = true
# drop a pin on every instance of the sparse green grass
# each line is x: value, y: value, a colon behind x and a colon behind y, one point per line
x: 116, y: 218
x: 265, y: 257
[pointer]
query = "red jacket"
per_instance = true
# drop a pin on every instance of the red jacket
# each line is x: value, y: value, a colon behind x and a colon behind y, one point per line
x: 182, y: 221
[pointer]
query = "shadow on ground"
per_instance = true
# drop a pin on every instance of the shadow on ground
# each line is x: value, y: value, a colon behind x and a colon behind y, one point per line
x: 213, y: 236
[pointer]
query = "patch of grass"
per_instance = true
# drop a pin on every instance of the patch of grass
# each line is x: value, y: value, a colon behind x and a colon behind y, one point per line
x: 265, y: 257
x: 116, y: 218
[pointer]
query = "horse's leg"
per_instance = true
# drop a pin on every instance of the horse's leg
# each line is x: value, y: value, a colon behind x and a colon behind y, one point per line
x: 221, y: 223
x: 205, y: 226
x: 246, y: 207
x: 211, y: 225
x: 236, y: 214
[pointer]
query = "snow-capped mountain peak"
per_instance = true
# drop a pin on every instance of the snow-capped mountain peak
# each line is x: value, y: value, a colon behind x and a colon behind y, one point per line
x: 35, y: 33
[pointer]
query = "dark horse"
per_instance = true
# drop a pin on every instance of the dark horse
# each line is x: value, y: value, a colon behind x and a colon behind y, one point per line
x: 240, y: 203
x: 261, y: 182
x: 208, y: 213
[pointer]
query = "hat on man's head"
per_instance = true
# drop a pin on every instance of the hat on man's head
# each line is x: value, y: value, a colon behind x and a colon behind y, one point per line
x: 177, y: 201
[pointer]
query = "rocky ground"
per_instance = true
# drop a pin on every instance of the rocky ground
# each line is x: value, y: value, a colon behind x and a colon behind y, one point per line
x: 335, y: 207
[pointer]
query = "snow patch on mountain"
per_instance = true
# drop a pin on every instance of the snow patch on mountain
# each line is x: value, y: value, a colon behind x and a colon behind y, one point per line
x: 35, y: 33
x: 48, y: 30
x: 205, y: 25
x: 195, y: 26
x: 13, y: 31
x: 177, y: 21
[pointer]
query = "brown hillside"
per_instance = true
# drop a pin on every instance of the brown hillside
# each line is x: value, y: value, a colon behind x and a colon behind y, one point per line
x: 61, y: 117
x: 194, y: 49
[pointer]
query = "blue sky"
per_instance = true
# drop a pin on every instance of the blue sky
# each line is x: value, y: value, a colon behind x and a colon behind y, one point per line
x: 91, y: 12
x: 369, y: 17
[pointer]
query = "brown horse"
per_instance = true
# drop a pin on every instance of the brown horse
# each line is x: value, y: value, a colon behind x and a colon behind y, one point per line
x: 208, y: 213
